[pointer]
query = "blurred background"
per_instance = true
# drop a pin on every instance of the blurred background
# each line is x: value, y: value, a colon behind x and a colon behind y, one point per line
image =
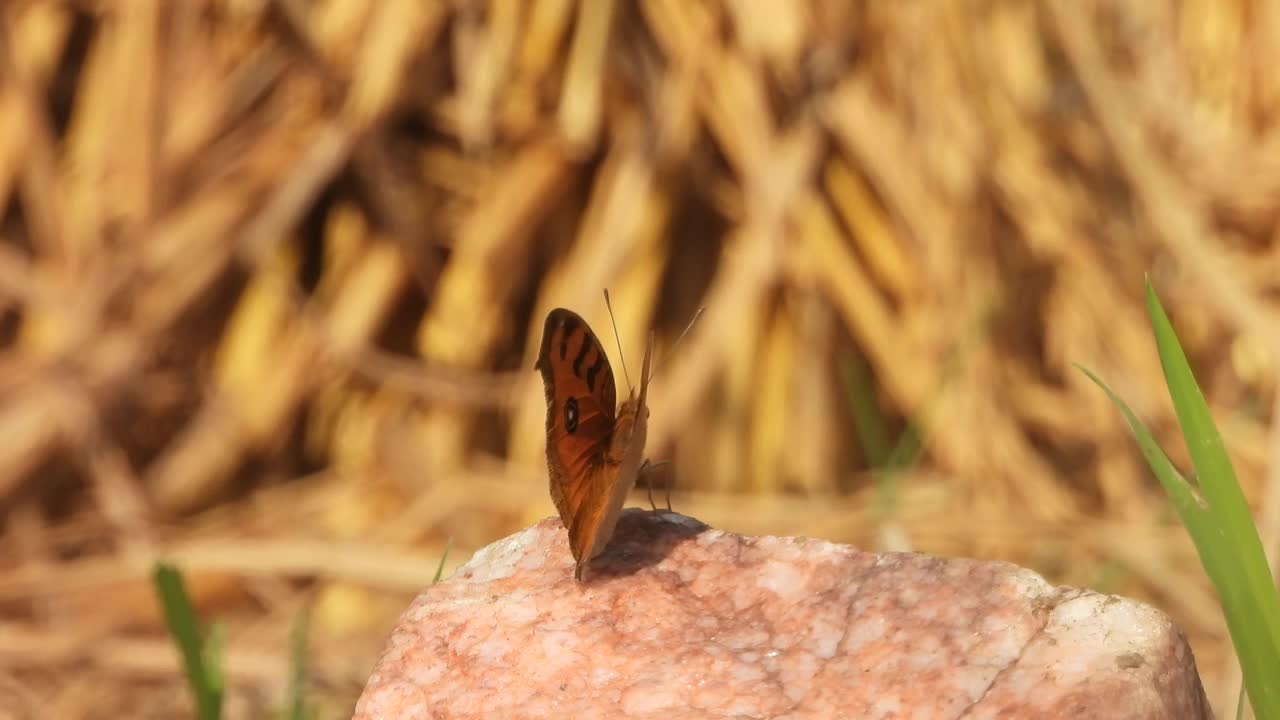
x: 273, y: 274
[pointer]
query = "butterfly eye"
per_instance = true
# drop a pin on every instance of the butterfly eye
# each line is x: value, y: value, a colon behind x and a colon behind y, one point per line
x: 571, y: 415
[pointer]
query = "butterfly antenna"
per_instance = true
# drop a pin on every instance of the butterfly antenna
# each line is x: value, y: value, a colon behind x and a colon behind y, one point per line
x: 616, y: 338
x: 676, y: 344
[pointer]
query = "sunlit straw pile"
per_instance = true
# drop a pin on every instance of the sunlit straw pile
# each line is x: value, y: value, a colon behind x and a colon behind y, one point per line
x: 272, y: 274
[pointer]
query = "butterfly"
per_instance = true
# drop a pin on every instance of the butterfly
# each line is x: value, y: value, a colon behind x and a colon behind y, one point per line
x: 593, y: 453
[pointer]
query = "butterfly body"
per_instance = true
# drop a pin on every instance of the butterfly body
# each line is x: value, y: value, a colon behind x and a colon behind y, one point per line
x: 594, y: 452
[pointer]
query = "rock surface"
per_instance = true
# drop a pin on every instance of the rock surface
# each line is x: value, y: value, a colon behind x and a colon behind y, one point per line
x: 680, y: 621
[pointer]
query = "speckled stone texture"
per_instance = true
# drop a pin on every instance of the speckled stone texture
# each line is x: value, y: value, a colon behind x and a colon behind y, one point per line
x: 680, y: 621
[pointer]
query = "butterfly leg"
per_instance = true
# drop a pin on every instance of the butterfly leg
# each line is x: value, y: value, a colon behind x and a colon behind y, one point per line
x: 648, y: 470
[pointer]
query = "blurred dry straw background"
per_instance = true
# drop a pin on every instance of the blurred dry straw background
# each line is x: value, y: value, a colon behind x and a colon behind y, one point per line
x: 273, y: 273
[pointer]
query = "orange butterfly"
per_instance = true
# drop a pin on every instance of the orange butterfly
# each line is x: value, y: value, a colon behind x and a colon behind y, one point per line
x: 593, y: 454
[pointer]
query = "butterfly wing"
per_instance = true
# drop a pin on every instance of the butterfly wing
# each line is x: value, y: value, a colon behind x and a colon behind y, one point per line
x: 622, y: 466
x: 581, y: 398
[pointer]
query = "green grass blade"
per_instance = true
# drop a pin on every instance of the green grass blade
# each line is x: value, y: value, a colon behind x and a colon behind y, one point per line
x: 1239, y: 571
x: 443, y: 556
x: 214, y: 642
x: 298, y: 669
x: 868, y: 421
x: 206, y: 682
x: 1216, y: 477
x: 1211, y: 543
x: 1185, y: 498
x: 889, y: 476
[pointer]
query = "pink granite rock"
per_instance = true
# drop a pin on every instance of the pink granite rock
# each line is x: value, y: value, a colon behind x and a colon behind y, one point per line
x: 680, y: 621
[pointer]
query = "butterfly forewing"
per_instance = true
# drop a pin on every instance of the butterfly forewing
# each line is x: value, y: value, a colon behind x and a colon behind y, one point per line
x: 593, y: 453
x: 580, y: 395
